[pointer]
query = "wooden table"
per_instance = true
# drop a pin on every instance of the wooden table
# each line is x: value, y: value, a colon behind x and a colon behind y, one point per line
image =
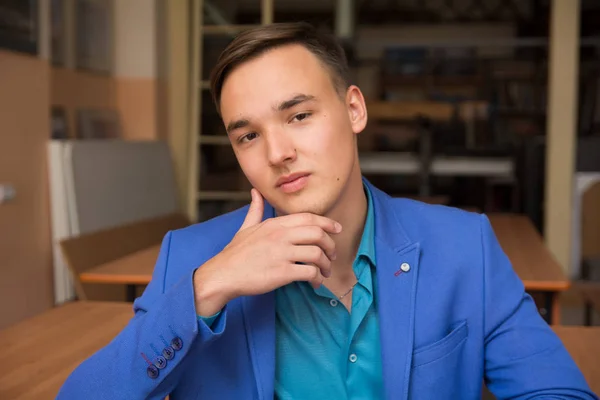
x: 531, y: 260
x: 132, y: 270
x: 583, y: 343
x: 519, y: 239
x: 38, y: 354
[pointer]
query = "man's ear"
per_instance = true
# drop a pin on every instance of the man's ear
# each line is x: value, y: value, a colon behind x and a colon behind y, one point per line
x: 357, y: 109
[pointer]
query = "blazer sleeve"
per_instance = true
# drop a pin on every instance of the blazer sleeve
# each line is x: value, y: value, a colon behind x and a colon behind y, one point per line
x: 141, y: 362
x: 524, y: 358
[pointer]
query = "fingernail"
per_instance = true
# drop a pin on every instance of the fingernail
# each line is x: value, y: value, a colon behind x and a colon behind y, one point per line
x: 326, y: 273
x: 338, y: 227
x: 333, y: 257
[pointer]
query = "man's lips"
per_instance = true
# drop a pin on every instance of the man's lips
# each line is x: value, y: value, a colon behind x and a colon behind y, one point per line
x: 293, y: 182
x: 290, y: 178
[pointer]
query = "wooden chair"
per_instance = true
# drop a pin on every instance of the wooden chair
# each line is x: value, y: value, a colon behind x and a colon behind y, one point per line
x: 92, y: 249
x: 590, y: 250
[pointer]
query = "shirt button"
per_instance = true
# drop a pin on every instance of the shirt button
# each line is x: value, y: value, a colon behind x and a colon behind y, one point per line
x: 333, y: 302
x: 352, y: 358
x: 405, y: 267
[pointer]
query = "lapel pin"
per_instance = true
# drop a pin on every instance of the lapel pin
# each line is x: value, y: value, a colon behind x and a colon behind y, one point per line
x: 405, y: 267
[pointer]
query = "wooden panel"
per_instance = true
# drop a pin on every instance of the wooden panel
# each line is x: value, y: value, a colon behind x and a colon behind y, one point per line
x: 75, y: 90
x: 590, y: 222
x: 529, y: 256
x: 25, y: 244
x: 583, y: 343
x: 136, y: 100
x: 90, y: 250
x: 41, y: 352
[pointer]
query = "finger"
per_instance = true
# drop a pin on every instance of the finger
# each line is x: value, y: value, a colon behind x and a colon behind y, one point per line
x: 308, y: 219
x: 312, y: 235
x: 255, y: 211
x: 306, y: 273
x: 312, y: 255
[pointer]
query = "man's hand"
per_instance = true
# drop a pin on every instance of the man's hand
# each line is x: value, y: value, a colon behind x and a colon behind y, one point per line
x: 264, y: 256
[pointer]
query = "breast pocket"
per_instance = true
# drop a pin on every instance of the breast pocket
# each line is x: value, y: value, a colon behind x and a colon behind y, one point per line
x: 436, y: 368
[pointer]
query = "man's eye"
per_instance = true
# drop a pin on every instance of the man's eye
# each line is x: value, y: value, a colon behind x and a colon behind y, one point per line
x: 301, y: 116
x: 248, y: 137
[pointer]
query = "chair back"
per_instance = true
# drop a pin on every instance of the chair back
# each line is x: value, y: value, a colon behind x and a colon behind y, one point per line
x: 92, y: 249
x: 590, y: 222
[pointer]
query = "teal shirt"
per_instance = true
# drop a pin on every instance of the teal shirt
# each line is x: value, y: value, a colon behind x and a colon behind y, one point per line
x: 322, y: 350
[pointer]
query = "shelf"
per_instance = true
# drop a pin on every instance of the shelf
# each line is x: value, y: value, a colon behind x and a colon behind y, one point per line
x: 435, y: 110
x: 223, y: 195
x: 427, y: 81
x: 218, y: 140
x: 384, y: 163
x: 225, y: 29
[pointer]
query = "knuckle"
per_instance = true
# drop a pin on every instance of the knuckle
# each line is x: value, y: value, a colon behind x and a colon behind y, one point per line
x: 322, y: 234
x: 315, y: 254
x: 316, y: 232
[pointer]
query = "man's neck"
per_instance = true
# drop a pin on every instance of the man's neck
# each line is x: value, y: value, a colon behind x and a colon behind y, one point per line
x: 351, y: 213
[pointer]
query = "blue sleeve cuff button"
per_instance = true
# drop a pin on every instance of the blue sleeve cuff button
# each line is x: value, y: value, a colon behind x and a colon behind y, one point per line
x: 177, y: 343
x: 160, y: 362
x: 152, y: 372
x: 168, y: 352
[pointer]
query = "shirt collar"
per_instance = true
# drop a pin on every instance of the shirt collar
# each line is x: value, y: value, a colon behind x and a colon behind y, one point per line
x: 367, y: 241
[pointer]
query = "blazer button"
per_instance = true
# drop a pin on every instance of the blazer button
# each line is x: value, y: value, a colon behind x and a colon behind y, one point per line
x: 177, y: 343
x: 152, y: 372
x: 160, y: 362
x: 168, y: 352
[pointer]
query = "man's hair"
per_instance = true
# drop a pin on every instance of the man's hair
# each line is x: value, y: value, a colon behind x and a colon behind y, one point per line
x: 254, y: 42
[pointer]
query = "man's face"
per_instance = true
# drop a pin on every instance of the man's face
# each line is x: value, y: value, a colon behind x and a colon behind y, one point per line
x: 291, y: 131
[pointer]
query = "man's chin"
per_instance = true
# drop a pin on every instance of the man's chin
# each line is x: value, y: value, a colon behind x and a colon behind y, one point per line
x: 300, y: 207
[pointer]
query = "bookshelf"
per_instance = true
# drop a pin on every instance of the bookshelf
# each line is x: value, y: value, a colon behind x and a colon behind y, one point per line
x: 215, y: 183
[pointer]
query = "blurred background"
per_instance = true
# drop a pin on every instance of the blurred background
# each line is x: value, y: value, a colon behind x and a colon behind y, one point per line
x: 109, y: 138
x: 106, y: 121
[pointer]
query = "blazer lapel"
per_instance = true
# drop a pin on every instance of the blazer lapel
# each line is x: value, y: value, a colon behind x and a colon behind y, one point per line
x: 397, y: 267
x: 259, y: 320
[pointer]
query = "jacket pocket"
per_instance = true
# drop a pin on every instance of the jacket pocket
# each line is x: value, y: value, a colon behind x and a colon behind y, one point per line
x: 441, y: 348
x: 437, y: 371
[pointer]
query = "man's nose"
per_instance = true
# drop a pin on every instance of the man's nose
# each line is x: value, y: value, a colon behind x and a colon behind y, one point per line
x: 280, y: 148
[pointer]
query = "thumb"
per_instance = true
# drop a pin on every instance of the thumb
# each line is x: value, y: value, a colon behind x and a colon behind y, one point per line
x: 256, y: 210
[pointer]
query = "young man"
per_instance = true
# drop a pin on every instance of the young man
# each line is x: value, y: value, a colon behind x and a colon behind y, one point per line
x: 325, y: 287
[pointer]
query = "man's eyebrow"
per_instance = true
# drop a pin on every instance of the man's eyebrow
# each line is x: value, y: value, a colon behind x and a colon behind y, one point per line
x: 300, y: 98
x: 237, y: 124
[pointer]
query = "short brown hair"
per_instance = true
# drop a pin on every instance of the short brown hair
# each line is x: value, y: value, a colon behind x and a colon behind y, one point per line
x: 254, y: 42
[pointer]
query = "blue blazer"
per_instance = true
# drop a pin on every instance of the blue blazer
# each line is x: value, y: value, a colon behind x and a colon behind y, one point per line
x: 457, y: 318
